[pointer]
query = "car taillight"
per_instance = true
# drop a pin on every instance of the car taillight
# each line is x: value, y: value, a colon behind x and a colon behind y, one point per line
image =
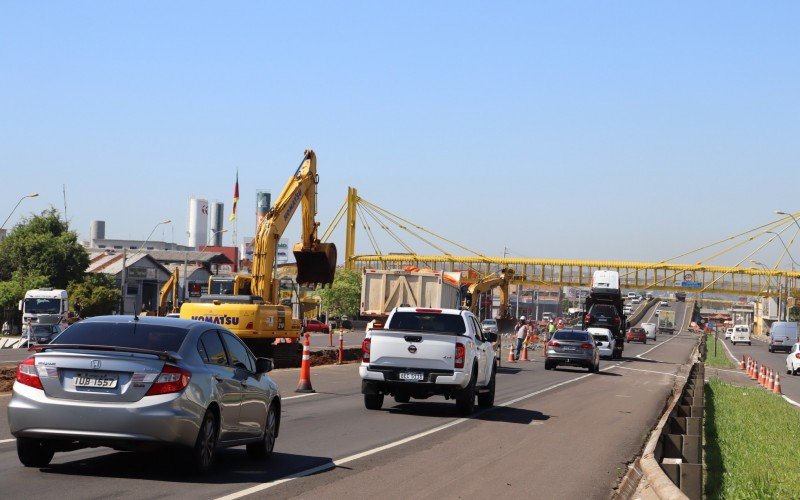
x: 171, y: 379
x: 27, y: 374
x: 553, y: 343
x: 796, y: 356
x: 461, y: 354
x: 365, y: 348
x: 586, y: 346
x: 588, y: 318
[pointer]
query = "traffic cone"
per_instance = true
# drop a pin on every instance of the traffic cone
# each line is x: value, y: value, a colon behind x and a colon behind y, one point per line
x: 305, y: 368
x: 752, y: 372
x: 771, y: 381
x: 524, y: 354
x: 511, y: 354
x: 777, y: 388
x: 742, y: 363
x: 761, y: 376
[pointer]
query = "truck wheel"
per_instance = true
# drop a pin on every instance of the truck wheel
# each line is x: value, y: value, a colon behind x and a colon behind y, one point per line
x: 373, y: 401
x: 465, y: 399
x: 486, y: 399
x: 402, y: 398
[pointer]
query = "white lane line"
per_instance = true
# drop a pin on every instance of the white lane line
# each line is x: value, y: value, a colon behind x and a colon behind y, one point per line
x: 729, y: 351
x: 791, y: 401
x: 300, y: 396
x: 650, y: 371
x: 7, y: 440
x: 656, y: 347
x: 336, y: 463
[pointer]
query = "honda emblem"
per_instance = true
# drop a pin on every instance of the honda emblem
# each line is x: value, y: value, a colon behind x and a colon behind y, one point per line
x: 95, y: 363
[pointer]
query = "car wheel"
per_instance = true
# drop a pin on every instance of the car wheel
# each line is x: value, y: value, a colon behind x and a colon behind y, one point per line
x: 749, y: 343
x: 402, y: 398
x: 34, y: 452
x: 548, y: 365
x: 465, y: 398
x: 644, y: 342
x: 263, y: 449
x: 770, y: 349
x: 205, y: 447
x: 486, y: 399
x: 373, y: 401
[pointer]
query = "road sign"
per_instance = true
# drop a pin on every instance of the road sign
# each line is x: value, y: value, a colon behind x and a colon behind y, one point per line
x: 692, y: 284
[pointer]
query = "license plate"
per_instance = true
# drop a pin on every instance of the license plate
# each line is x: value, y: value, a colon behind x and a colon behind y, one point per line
x: 570, y: 348
x: 411, y: 376
x: 102, y: 380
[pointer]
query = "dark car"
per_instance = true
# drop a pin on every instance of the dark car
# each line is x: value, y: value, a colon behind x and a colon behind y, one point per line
x: 636, y: 334
x: 312, y: 326
x: 604, y: 315
x: 574, y: 348
x: 42, y: 334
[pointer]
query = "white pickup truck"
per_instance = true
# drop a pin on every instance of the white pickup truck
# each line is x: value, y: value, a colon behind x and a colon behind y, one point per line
x: 424, y: 352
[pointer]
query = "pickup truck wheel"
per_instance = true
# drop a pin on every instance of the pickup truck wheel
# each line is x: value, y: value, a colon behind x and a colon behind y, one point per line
x: 486, y: 399
x: 402, y: 398
x: 465, y: 399
x: 373, y: 401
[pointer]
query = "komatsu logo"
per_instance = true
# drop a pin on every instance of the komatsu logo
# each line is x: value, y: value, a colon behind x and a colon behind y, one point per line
x: 292, y: 204
x: 218, y: 320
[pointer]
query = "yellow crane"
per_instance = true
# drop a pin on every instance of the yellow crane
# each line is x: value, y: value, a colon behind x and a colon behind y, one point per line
x: 258, y: 318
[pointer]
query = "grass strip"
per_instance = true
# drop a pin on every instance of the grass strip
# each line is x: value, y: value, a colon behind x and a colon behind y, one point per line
x: 751, y: 443
x: 721, y: 359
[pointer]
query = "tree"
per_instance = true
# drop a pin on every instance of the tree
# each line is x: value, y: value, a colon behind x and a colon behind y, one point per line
x: 43, y: 245
x: 98, y: 294
x: 344, y: 296
x: 13, y: 290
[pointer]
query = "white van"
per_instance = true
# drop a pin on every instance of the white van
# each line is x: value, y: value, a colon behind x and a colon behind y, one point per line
x: 782, y: 336
x: 741, y: 333
x: 605, y: 279
x: 649, y: 330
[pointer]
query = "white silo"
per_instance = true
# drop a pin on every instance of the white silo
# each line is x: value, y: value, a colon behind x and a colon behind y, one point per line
x: 97, y: 231
x: 216, y: 216
x: 198, y: 222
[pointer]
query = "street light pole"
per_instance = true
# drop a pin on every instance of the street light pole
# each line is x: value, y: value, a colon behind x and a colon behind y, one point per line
x: 786, y: 304
x: 125, y: 266
x: 32, y: 195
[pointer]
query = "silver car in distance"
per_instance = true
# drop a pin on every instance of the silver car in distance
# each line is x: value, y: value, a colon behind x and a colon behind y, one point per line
x: 132, y: 383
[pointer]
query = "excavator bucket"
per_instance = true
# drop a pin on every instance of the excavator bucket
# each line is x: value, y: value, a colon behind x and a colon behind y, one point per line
x: 315, y: 266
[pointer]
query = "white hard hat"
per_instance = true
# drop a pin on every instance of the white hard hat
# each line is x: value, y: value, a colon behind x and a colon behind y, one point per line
x: 522, y: 318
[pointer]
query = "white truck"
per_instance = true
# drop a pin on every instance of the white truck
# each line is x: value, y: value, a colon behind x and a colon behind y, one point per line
x: 45, y: 306
x: 384, y: 289
x: 423, y: 352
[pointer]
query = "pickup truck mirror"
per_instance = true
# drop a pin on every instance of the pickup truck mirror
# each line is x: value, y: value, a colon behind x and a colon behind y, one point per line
x: 491, y: 337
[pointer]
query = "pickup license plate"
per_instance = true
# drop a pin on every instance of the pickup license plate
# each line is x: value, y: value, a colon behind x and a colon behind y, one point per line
x: 101, y: 380
x: 411, y: 376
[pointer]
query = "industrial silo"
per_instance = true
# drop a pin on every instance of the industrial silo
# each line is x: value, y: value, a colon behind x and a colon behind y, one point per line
x: 216, y: 217
x: 198, y: 222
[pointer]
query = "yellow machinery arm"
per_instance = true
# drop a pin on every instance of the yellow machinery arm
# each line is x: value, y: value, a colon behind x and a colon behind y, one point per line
x: 316, y: 262
x: 501, y: 280
x: 170, y: 287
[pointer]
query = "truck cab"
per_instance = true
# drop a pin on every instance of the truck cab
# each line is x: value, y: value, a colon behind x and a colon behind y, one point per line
x: 45, y: 306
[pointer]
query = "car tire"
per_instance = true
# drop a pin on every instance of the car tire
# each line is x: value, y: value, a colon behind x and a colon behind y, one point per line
x: 205, y: 446
x: 402, y: 398
x: 645, y: 342
x: 548, y: 365
x: 465, y: 398
x: 34, y: 452
x: 749, y: 343
x: 486, y: 399
x: 373, y: 401
x: 263, y: 448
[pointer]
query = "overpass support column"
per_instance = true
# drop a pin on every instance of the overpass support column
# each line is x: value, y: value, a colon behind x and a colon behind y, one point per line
x: 350, y: 236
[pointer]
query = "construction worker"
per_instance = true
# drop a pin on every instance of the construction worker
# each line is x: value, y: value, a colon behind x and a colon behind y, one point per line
x: 551, y: 329
x: 522, y: 334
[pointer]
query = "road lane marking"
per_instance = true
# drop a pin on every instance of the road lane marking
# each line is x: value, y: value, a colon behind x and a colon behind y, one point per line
x: 2, y: 441
x: 791, y: 401
x: 729, y: 351
x: 648, y: 371
x: 336, y: 463
x: 300, y: 396
x: 656, y: 347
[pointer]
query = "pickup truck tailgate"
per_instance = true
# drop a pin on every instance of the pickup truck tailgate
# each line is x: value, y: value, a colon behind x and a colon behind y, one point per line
x: 406, y: 349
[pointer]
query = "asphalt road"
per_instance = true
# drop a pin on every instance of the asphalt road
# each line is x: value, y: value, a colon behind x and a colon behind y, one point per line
x: 546, y: 423
x: 790, y: 385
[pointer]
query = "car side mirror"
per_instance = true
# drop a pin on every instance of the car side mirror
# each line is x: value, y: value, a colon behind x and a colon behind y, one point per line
x: 263, y: 365
x: 491, y: 337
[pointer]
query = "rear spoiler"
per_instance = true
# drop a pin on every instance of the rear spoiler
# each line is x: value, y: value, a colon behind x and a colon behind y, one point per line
x: 167, y: 356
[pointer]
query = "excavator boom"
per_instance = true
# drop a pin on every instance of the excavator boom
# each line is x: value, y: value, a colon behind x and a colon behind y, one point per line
x: 499, y: 279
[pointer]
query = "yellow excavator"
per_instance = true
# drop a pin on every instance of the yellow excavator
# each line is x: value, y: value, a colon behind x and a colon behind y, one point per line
x: 169, y: 288
x: 265, y: 325
x: 500, y: 279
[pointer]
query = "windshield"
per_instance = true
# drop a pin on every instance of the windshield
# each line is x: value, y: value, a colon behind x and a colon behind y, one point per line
x: 43, y: 306
x: 489, y: 322
x: 601, y: 338
x: 138, y: 336
x: 44, y: 329
x: 603, y: 310
x: 427, y: 322
x: 571, y: 335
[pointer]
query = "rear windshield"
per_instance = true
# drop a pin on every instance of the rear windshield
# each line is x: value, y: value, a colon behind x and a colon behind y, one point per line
x: 603, y: 309
x: 138, y: 336
x: 571, y: 335
x: 600, y: 337
x: 637, y: 330
x: 427, y: 322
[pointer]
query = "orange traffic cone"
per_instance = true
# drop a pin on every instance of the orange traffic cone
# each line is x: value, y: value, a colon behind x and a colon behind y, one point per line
x: 771, y: 381
x: 305, y: 368
x: 742, y: 363
x: 761, y: 376
x: 524, y: 354
x: 511, y: 354
x: 752, y: 373
x: 777, y: 388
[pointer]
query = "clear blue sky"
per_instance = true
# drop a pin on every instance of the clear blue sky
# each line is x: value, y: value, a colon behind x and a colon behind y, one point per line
x: 598, y: 130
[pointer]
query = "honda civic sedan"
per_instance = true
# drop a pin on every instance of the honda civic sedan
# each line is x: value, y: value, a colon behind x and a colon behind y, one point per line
x: 138, y: 383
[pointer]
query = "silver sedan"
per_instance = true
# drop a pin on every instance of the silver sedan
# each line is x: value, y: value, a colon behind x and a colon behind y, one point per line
x: 132, y: 383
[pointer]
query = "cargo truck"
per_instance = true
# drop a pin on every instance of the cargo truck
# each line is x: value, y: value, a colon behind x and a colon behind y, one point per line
x: 605, y: 308
x: 382, y: 290
x: 666, y: 321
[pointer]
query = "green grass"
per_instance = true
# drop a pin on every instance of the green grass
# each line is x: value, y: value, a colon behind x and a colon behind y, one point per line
x: 721, y: 360
x: 752, y: 438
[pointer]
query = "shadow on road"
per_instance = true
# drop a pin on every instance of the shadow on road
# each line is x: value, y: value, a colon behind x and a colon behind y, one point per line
x: 232, y: 466
x: 511, y: 415
x: 505, y: 414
